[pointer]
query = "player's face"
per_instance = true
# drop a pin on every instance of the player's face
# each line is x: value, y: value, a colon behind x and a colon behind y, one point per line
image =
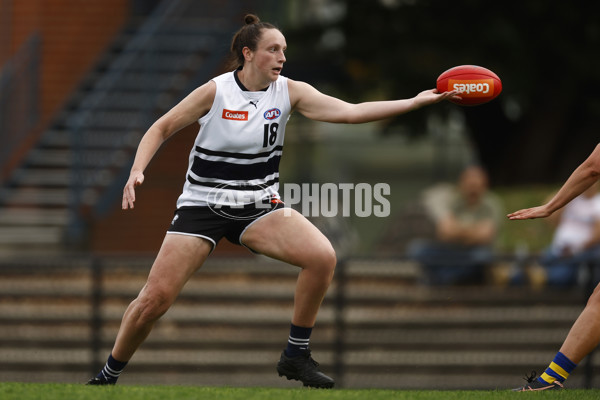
x: 270, y: 53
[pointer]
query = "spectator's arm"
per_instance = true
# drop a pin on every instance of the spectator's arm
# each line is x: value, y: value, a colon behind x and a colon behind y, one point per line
x: 449, y: 230
x: 481, y: 233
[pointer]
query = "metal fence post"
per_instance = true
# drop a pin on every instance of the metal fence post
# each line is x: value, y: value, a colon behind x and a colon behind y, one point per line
x: 96, y: 315
x: 340, y: 323
x: 590, y: 284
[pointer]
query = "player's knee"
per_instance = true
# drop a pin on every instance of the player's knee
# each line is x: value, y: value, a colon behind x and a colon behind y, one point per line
x: 331, y: 259
x: 327, y: 261
x: 153, y: 304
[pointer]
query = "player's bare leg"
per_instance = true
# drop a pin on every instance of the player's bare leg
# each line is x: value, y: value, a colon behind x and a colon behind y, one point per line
x: 584, y: 336
x: 179, y: 257
x: 294, y: 240
x: 287, y: 236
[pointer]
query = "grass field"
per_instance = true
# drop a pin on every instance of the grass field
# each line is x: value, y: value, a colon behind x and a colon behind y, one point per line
x: 30, y: 391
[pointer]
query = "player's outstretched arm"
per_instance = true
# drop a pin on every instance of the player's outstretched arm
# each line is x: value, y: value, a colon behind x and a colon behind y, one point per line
x: 188, y: 111
x: 580, y: 180
x: 318, y: 106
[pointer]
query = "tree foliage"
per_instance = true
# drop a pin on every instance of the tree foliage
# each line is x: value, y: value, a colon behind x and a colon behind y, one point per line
x: 545, y: 122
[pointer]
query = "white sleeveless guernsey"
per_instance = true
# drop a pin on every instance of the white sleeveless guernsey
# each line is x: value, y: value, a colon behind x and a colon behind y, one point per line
x: 235, y: 159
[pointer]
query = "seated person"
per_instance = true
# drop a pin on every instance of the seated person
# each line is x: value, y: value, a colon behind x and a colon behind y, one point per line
x: 466, y: 220
x: 576, y: 240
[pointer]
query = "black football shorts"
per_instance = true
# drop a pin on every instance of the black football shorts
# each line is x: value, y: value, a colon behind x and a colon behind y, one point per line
x: 213, y: 223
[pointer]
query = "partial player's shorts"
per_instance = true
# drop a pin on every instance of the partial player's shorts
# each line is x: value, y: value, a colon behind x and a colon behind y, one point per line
x: 213, y: 223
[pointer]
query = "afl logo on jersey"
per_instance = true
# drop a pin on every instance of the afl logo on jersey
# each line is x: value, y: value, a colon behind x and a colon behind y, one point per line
x: 273, y: 113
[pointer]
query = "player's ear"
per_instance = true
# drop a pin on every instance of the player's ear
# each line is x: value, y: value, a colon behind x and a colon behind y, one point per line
x: 247, y: 53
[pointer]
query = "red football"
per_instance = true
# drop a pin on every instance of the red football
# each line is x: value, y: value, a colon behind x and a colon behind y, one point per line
x: 477, y: 85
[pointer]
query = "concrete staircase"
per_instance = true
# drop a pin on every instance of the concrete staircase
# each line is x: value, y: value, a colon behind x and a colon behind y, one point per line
x: 79, y: 165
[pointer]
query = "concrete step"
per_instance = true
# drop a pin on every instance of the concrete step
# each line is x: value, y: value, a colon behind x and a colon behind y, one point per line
x: 112, y: 119
x: 173, y: 42
x: 61, y: 177
x: 31, y: 235
x: 44, y: 197
x: 63, y: 158
x: 33, y: 216
x: 140, y: 81
x: 171, y: 63
x: 116, y: 100
x: 110, y: 139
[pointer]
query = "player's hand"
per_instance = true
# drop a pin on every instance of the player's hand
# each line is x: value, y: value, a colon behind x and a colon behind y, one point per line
x: 135, y: 179
x: 530, y: 213
x: 432, y: 96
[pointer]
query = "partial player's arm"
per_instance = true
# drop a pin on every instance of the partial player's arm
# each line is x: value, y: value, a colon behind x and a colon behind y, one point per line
x: 188, y: 111
x: 580, y: 180
x: 318, y: 106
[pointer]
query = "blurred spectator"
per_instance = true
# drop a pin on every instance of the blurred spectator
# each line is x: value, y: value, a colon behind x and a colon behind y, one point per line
x: 576, y: 240
x: 466, y: 218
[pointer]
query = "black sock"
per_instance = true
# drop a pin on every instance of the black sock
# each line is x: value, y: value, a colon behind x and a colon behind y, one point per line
x: 297, y: 341
x: 111, y: 371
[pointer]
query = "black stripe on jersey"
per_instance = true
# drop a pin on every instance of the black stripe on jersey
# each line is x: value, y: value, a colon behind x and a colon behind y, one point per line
x: 241, y: 156
x: 252, y: 188
x: 235, y: 172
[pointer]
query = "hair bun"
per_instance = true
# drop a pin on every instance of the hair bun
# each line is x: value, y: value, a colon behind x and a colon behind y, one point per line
x: 251, y: 19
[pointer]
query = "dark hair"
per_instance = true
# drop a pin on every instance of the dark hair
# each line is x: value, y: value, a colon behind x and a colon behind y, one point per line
x: 247, y: 36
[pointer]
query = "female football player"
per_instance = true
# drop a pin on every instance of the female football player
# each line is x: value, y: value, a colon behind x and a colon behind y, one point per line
x: 231, y: 190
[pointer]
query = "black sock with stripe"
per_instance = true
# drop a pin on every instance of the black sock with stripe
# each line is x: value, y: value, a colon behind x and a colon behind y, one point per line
x: 297, y: 341
x: 111, y: 371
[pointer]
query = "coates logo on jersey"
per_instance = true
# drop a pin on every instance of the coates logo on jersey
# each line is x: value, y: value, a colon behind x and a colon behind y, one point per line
x: 273, y: 113
x: 235, y: 115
